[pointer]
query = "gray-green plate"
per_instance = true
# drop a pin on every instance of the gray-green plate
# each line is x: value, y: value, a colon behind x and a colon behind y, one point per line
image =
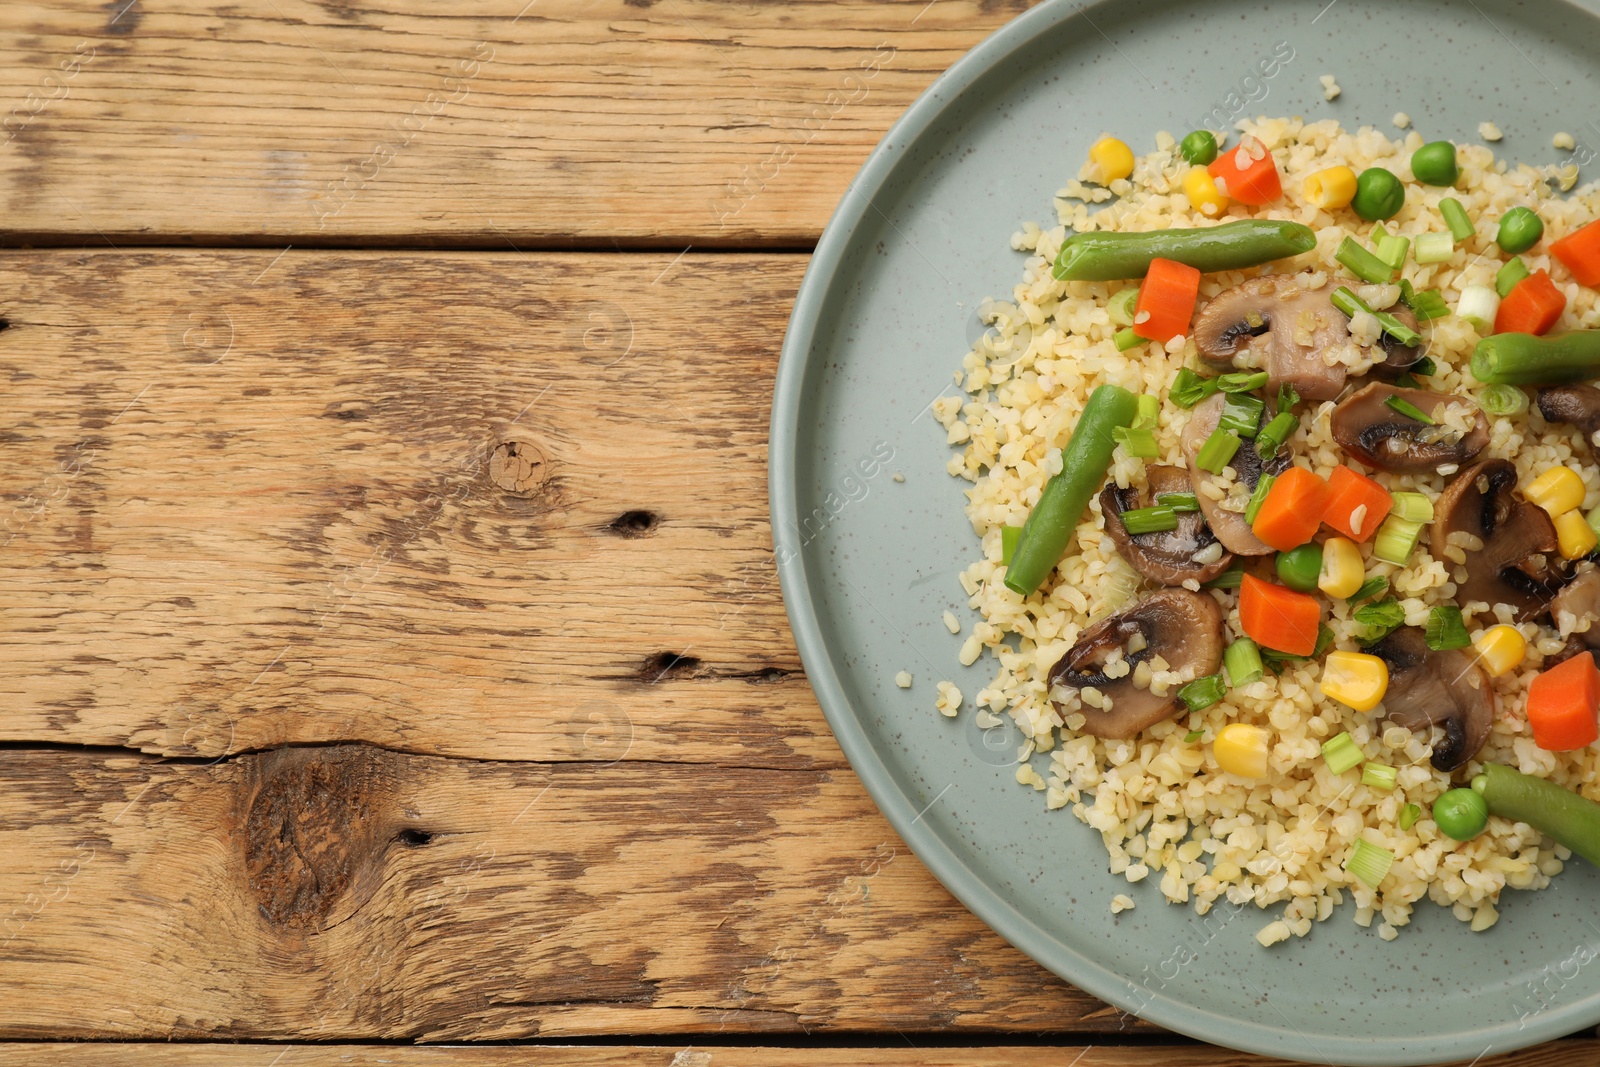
x: 869, y: 564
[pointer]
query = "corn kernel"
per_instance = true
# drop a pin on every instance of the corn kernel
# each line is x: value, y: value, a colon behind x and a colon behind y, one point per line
x: 1332, y: 188
x: 1355, y: 679
x: 1241, y: 749
x: 1342, y: 570
x: 1500, y: 649
x: 1557, y: 490
x: 1111, y: 160
x: 1203, y: 194
x: 1574, y: 534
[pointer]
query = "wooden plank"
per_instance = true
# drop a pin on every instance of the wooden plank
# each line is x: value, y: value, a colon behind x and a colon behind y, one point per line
x: 1568, y: 1053
x: 349, y: 893
x: 564, y: 122
x: 481, y: 505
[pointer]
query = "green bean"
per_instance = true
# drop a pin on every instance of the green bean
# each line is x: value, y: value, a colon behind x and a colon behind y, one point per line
x: 1104, y: 257
x: 1084, y: 461
x: 1560, y: 813
x: 1523, y: 359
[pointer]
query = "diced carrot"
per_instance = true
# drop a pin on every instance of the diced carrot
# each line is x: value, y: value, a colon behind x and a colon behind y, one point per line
x: 1293, y: 509
x: 1166, y: 300
x: 1276, y: 617
x: 1580, y: 251
x: 1562, y: 705
x: 1249, y: 181
x: 1532, y: 307
x: 1348, y: 492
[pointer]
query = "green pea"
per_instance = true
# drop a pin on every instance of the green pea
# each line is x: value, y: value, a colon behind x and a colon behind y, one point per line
x: 1435, y: 163
x: 1461, y: 814
x: 1520, y: 230
x: 1199, y: 148
x: 1300, y: 567
x: 1379, y: 194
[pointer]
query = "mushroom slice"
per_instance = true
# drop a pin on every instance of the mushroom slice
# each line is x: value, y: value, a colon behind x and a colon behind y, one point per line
x: 1510, y: 545
x: 1578, y: 601
x: 1397, y: 358
x: 1173, y: 557
x: 1577, y: 404
x: 1428, y: 688
x: 1261, y: 324
x: 1369, y: 429
x: 1183, y: 628
x: 1225, y: 522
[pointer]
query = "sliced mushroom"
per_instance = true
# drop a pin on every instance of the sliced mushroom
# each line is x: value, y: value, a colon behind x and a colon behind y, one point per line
x: 1510, y: 545
x: 1261, y: 323
x: 1428, y: 688
x: 1579, y: 600
x: 1577, y: 404
x: 1397, y: 358
x: 1191, y: 551
x: 1370, y: 430
x: 1183, y: 628
x: 1228, y: 524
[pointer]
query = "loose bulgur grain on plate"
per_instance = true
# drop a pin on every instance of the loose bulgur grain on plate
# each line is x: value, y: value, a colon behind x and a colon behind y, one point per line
x: 1163, y: 806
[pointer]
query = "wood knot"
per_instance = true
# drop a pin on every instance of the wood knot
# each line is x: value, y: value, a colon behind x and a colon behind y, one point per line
x: 317, y: 823
x: 519, y: 467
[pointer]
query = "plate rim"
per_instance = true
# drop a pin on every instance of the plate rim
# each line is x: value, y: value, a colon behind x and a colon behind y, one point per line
x: 935, y: 853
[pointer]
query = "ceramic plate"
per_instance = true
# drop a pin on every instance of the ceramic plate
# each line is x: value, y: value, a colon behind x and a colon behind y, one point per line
x: 869, y: 563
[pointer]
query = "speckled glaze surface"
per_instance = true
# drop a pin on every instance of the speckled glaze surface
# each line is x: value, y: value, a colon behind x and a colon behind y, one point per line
x: 869, y: 564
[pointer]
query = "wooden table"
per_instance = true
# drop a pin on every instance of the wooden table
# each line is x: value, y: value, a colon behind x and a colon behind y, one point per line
x: 392, y: 648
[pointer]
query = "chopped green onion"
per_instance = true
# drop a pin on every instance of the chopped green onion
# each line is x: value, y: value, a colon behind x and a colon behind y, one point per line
x: 1396, y: 538
x: 1232, y: 578
x: 1369, y: 863
x: 1446, y: 630
x: 1435, y: 247
x: 1503, y: 400
x: 1120, y: 307
x: 1009, y: 536
x: 1372, y: 587
x: 1428, y: 304
x: 1242, y: 382
x: 1201, y: 693
x: 1217, y: 451
x: 1188, y: 388
x: 1277, y: 660
x: 1125, y: 339
x: 1287, y: 397
x: 1381, y: 618
x: 1507, y: 277
x: 1275, y: 433
x: 1479, y: 305
x: 1349, y: 303
x: 1379, y: 776
x: 1138, y: 442
x: 1341, y: 752
x: 1179, y: 502
x: 1363, y: 264
x: 1192, y: 736
x: 1409, y: 410
x: 1243, y: 662
x: 1379, y: 233
x: 1150, y: 520
x: 1592, y: 517
x: 1392, y: 250
x: 1425, y: 366
x: 1148, y: 410
x: 1455, y: 217
x: 1241, y: 414
x: 1409, y: 816
x: 1257, y: 498
x: 1413, y: 507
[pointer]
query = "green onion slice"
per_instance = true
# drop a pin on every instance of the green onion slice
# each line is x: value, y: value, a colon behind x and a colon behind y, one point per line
x: 1150, y: 520
x: 1362, y: 263
x: 1125, y: 339
x: 1507, y: 277
x: 1409, y: 410
x: 1381, y: 618
x: 1263, y: 487
x: 1435, y: 247
x: 1139, y: 442
x: 1446, y: 630
x: 1179, y: 502
x: 1188, y: 388
x: 1242, y: 381
x: 1232, y: 578
x: 1379, y: 776
x: 1275, y: 433
x: 1241, y: 414
x: 1369, y: 863
x: 1503, y: 400
x: 1217, y: 451
x: 1409, y: 816
x: 1242, y: 661
x: 1396, y: 538
x: 1341, y: 752
x: 1120, y: 307
x: 1413, y: 507
x: 1192, y: 736
x: 1456, y: 217
x: 1392, y: 250
x: 1372, y: 587
x: 1201, y: 693
x: 1287, y: 397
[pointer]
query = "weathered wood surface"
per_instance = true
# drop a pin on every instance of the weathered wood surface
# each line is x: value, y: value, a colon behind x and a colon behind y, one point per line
x: 506, y: 122
x: 348, y: 893
x: 1573, y: 1053
x: 498, y: 506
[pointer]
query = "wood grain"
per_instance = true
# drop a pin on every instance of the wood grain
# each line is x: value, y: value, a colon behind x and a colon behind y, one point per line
x: 554, y: 123
x: 498, y: 506
x: 1571, y: 1053
x: 346, y: 893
